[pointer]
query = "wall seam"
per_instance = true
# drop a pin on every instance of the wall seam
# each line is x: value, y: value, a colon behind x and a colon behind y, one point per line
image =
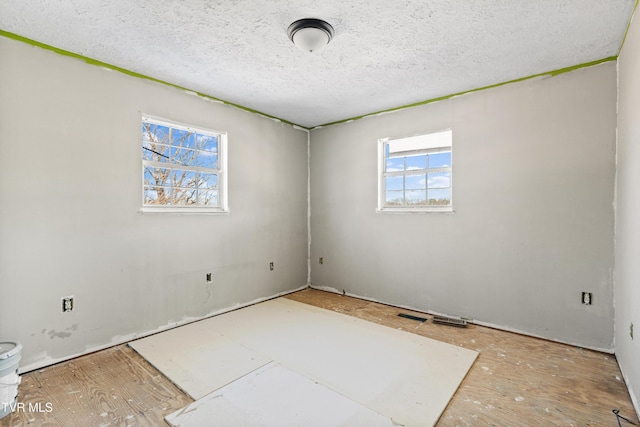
x: 615, y: 208
x: 308, y: 208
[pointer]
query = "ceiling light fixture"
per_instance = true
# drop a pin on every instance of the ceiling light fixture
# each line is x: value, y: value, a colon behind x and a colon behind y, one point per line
x: 310, y: 34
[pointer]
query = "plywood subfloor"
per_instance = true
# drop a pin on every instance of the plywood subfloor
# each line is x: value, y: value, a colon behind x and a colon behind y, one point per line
x: 113, y: 387
x: 515, y: 381
x: 407, y: 378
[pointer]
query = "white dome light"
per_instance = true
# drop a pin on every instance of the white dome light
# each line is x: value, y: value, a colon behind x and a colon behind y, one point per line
x: 310, y: 35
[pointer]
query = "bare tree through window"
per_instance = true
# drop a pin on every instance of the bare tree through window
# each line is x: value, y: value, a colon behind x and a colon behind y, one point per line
x: 181, y: 166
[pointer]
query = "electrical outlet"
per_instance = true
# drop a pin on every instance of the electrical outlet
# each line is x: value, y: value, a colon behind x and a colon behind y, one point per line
x: 67, y: 304
x: 321, y: 260
x: 209, y: 278
x: 587, y: 298
x: 271, y: 266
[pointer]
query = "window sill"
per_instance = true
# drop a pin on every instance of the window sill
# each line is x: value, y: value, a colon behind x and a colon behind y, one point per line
x: 182, y: 210
x: 448, y: 210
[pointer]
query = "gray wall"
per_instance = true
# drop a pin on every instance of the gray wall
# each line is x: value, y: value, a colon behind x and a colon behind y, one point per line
x: 70, y: 180
x: 533, y: 198
x: 533, y: 185
x: 627, y: 278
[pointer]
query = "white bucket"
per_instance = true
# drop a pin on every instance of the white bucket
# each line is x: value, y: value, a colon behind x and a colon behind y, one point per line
x: 9, y: 379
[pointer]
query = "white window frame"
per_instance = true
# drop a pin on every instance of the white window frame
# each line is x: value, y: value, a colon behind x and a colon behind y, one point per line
x: 414, y: 146
x: 223, y: 204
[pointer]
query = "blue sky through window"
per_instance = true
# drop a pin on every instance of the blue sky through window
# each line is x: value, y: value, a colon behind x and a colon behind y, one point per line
x: 192, y: 165
x: 416, y: 174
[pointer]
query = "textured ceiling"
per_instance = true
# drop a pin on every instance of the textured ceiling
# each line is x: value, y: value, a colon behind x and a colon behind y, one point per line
x: 384, y: 54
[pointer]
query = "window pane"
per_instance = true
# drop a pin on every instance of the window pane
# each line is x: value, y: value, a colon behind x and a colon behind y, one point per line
x: 207, y: 143
x: 208, y: 197
x: 183, y: 178
x: 182, y: 156
x: 155, y: 133
x: 157, y: 176
x: 440, y: 197
x: 147, y: 151
x: 149, y: 177
x: 207, y: 180
x: 206, y: 159
x: 440, y: 160
x: 192, y: 159
x: 415, y: 182
x: 395, y: 165
x: 417, y: 162
x: 393, y: 183
x: 416, y: 197
x: 394, y: 198
x: 184, y: 196
x: 150, y: 196
x: 155, y: 152
x: 182, y: 138
x: 439, y: 180
x: 157, y: 195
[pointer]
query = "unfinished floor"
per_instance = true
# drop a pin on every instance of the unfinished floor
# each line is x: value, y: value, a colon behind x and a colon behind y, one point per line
x: 515, y: 381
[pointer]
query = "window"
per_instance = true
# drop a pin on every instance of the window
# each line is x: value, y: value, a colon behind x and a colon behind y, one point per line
x: 184, y: 168
x: 415, y: 173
